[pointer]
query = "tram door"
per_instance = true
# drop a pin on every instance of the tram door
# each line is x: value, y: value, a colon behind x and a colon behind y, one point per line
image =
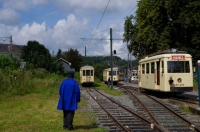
x: 158, y: 72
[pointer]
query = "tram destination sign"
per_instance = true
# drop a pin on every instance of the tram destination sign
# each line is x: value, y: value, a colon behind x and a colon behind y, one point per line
x: 198, y: 62
x: 178, y: 57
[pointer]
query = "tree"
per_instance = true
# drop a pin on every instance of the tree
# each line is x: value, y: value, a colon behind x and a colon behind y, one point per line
x: 59, y: 54
x: 128, y: 28
x: 74, y: 57
x: 36, y: 55
x: 161, y: 24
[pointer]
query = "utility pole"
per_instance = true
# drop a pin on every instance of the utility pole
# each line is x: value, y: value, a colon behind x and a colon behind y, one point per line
x: 10, y: 40
x: 127, y: 65
x: 111, y: 65
x: 85, y: 51
x: 131, y: 62
x: 11, y: 44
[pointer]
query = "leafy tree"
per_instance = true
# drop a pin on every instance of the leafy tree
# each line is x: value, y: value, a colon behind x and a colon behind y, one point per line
x: 128, y: 28
x: 74, y: 57
x: 7, y: 61
x: 59, y: 54
x: 37, y: 55
x: 161, y: 24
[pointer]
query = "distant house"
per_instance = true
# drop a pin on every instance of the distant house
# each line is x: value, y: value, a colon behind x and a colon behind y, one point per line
x: 8, y: 49
x: 65, y: 65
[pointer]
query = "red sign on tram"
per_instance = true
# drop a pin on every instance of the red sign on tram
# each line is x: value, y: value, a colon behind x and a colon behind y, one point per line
x: 178, y: 57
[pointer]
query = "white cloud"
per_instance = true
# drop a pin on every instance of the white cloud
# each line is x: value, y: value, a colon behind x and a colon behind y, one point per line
x: 22, y: 4
x: 67, y: 31
x: 17, y: 4
x: 28, y: 32
x: 9, y: 17
x: 80, y: 19
x: 39, y: 2
x: 118, y: 5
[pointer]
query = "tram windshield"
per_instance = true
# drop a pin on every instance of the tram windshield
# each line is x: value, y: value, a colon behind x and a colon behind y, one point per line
x: 87, y: 72
x: 114, y: 73
x: 178, y: 67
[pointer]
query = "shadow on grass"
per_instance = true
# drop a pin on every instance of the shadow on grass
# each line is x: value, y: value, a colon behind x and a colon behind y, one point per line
x: 78, y: 127
x: 96, y: 85
x: 91, y: 85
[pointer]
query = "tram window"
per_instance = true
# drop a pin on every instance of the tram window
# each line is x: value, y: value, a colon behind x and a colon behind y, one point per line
x: 178, y: 67
x: 147, y: 68
x: 87, y: 72
x: 143, y: 68
x: 152, y: 67
x: 83, y: 72
x: 91, y: 72
x: 114, y: 73
x: 162, y: 62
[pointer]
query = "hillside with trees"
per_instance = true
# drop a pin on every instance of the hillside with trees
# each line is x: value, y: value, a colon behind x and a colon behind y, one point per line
x: 103, y: 62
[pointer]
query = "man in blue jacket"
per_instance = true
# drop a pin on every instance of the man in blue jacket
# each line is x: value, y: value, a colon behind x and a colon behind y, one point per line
x: 69, y: 97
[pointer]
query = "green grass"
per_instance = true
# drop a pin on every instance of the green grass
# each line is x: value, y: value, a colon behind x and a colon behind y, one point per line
x: 195, y: 82
x: 183, y: 108
x: 37, y: 112
x: 102, y: 86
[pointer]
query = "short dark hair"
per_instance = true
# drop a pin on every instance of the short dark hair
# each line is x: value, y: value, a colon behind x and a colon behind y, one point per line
x: 71, y: 74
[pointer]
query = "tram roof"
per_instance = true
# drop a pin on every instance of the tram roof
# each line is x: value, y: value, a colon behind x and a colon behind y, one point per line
x: 110, y: 68
x: 167, y: 55
x: 87, y: 66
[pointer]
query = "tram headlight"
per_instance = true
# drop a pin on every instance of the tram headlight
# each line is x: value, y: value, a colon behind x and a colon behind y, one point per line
x: 179, y: 80
x: 171, y: 81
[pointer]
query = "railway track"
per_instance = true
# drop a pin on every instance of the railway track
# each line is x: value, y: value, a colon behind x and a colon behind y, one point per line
x: 118, y: 118
x: 185, y: 100
x: 172, y: 120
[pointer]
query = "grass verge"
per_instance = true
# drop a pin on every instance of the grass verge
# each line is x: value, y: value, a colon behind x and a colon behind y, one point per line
x: 36, y: 112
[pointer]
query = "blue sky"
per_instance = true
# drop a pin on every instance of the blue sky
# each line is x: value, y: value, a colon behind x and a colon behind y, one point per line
x: 60, y: 24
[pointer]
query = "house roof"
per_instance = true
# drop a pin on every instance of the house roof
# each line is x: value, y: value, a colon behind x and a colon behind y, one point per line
x: 61, y: 59
x: 6, y: 48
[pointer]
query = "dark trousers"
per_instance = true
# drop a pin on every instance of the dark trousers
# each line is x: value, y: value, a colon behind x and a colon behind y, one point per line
x: 68, y: 118
x: 109, y: 83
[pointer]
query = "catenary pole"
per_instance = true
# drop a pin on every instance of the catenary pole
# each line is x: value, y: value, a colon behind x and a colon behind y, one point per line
x: 111, y: 65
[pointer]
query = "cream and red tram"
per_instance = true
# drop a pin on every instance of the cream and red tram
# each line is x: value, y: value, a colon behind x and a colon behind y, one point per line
x: 107, y: 74
x: 167, y: 71
x: 87, y: 75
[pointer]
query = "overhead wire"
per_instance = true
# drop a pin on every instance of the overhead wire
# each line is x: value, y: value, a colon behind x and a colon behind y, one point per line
x: 96, y: 33
x: 124, y: 18
x: 107, y: 29
x: 99, y: 22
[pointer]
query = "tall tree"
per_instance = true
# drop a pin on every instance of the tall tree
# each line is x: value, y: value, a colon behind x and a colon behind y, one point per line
x: 74, y: 57
x: 37, y: 55
x: 128, y: 28
x: 164, y: 24
x: 59, y: 54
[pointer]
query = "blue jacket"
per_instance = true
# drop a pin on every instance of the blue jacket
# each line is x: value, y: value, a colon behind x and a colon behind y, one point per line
x: 69, y: 95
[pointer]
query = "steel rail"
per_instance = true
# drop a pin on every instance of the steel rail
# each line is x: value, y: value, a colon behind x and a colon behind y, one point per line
x: 151, y: 115
x: 197, y: 128
x: 122, y: 126
x: 157, y: 126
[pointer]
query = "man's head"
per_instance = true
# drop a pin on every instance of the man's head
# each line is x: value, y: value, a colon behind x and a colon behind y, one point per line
x: 71, y: 74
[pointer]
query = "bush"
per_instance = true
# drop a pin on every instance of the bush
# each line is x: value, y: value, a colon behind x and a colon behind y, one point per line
x: 16, y: 82
x: 8, y: 62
